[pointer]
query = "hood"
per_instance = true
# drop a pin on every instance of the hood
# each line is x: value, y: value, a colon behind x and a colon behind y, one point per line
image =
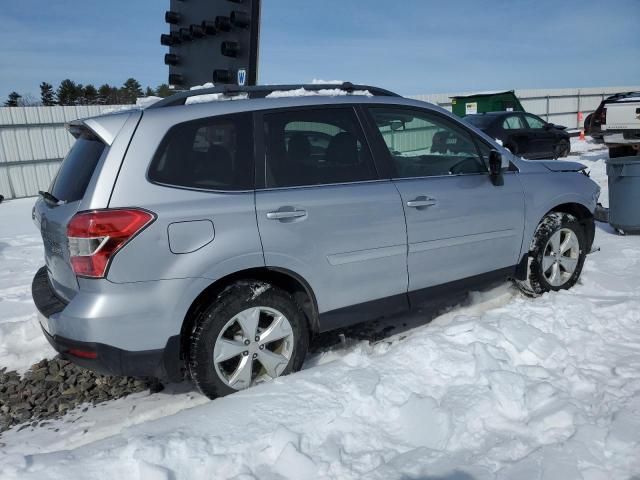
x: 563, y: 166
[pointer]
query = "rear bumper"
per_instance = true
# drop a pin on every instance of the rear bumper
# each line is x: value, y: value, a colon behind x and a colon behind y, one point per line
x: 631, y: 137
x: 163, y: 363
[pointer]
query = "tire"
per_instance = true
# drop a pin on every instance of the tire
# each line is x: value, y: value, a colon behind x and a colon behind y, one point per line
x: 623, y: 151
x: 544, y: 274
x: 587, y: 124
x: 563, y: 148
x: 224, y: 327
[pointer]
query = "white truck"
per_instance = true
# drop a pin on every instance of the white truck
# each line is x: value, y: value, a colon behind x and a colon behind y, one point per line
x: 621, y: 127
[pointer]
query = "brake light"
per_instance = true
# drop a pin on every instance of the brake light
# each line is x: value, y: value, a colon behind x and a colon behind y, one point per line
x: 96, y: 236
x: 603, y: 116
x: 89, y: 354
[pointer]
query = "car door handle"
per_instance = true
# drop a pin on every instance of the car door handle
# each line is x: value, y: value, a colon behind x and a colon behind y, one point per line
x: 284, y: 214
x: 421, y: 202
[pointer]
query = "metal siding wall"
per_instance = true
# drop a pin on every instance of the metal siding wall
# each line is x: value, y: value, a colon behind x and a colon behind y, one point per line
x: 563, y: 103
x: 33, y: 140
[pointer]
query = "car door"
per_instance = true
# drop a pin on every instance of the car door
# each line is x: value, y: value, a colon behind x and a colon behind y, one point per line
x: 543, y: 138
x: 324, y: 214
x: 518, y: 136
x: 459, y: 225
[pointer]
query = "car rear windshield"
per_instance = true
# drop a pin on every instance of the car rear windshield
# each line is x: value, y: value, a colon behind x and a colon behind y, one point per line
x: 74, y: 175
x: 480, y: 121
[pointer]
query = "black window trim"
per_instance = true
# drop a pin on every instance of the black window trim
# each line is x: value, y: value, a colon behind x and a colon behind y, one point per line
x: 205, y: 190
x: 383, y: 150
x: 261, y: 153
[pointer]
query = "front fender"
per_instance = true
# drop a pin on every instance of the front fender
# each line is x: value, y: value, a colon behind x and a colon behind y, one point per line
x: 547, y: 192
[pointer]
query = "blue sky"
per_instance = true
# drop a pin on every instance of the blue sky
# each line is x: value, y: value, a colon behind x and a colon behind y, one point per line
x: 411, y: 46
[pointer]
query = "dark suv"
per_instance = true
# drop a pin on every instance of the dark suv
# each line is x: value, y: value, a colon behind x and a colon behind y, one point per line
x: 524, y: 134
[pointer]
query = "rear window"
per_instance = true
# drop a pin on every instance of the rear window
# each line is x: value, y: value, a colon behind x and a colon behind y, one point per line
x: 211, y: 154
x: 74, y: 175
x: 480, y: 121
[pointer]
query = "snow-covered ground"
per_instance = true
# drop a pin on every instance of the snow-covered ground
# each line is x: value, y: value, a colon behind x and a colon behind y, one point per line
x: 501, y: 387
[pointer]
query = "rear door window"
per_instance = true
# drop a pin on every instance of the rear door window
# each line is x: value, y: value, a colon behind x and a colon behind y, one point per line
x: 210, y: 154
x: 316, y: 147
x: 513, y: 122
x: 76, y: 170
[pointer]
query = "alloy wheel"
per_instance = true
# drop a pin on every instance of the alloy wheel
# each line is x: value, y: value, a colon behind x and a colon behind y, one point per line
x: 254, y: 346
x: 560, y: 258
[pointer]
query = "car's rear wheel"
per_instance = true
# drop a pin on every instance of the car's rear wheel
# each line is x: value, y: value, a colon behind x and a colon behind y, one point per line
x: 251, y: 333
x: 556, y: 255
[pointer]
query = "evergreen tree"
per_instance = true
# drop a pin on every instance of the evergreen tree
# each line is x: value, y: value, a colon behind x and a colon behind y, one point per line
x: 104, y: 93
x: 150, y: 92
x: 164, y: 91
x: 12, y: 101
x: 90, y: 95
x: 69, y: 93
x: 130, y: 91
x: 47, y: 94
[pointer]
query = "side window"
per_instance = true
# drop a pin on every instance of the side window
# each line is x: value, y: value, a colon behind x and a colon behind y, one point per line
x: 514, y: 122
x: 424, y: 145
x: 315, y: 147
x: 213, y: 154
x: 534, y: 122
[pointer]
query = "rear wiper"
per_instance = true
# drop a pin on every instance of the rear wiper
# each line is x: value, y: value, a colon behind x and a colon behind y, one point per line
x: 51, y: 198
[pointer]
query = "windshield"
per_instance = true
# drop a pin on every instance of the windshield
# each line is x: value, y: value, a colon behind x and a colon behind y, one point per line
x: 77, y: 168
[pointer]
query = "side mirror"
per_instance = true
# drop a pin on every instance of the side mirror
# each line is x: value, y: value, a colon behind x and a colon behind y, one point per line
x: 495, y: 168
x: 548, y: 126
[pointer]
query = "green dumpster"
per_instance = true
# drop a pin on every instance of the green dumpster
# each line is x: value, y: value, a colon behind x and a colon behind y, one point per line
x: 482, y: 102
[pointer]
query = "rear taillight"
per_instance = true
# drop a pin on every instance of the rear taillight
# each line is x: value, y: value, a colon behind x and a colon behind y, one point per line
x: 88, y: 354
x: 603, y: 117
x: 96, y: 236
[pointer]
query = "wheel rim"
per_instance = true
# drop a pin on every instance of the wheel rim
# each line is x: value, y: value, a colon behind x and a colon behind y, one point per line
x: 560, y: 258
x: 254, y: 346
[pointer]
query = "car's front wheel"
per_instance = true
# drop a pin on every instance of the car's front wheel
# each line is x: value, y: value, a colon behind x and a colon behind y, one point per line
x: 556, y: 255
x: 251, y: 333
x: 563, y: 148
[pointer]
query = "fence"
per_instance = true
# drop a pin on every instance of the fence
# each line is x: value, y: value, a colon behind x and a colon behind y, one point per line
x: 556, y: 105
x: 33, y: 140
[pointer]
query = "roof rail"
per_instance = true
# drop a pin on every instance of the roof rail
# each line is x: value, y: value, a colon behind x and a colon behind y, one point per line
x: 262, y: 91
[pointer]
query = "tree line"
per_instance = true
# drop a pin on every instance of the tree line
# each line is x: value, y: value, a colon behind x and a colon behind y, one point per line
x: 72, y: 93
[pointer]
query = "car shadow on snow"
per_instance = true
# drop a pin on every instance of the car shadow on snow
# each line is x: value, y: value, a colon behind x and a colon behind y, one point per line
x: 381, y: 329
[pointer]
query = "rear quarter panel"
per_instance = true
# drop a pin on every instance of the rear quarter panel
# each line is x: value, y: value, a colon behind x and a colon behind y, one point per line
x: 235, y: 244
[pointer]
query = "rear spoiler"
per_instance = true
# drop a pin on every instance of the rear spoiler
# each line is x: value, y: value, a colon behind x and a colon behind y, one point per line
x: 105, y: 127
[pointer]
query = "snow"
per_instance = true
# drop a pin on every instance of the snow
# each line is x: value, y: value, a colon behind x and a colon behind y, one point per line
x: 212, y: 97
x: 500, y: 387
x: 21, y: 254
x: 326, y: 92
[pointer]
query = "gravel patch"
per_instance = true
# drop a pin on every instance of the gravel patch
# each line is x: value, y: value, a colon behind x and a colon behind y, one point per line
x: 51, y: 388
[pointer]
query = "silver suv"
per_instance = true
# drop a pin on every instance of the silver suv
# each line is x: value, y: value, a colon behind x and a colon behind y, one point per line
x: 214, y: 239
